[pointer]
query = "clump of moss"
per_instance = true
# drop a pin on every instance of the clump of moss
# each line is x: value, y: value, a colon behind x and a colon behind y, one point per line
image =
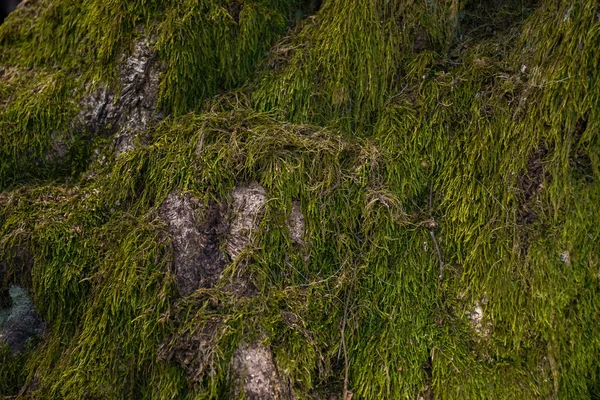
x: 448, y: 180
x: 72, y: 35
x: 206, y: 38
x: 344, y: 64
x: 212, y: 46
x: 220, y: 41
x: 12, y: 374
x: 260, y: 146
x: 37, y: 114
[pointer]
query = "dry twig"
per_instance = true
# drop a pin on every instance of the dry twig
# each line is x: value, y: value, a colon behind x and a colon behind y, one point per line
x: 432, y: 225
x: 439, y: 254
x: 343, y: 332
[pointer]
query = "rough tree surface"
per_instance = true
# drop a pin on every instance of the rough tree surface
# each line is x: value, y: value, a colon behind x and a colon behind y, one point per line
x: 255, y: 368
x: 300, y: 199
x: 248, y: 204
x: 198, y: 259
x: 132, y: 110
x: 19, y: 322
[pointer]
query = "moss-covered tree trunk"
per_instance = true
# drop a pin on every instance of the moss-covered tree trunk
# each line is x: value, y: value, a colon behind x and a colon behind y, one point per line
x: 300, y: 199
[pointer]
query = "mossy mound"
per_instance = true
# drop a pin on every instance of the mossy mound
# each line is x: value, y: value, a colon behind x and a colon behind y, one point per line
x: 443, y: 158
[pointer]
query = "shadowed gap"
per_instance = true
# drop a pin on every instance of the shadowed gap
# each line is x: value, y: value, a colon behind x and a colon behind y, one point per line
x: 6, y: 7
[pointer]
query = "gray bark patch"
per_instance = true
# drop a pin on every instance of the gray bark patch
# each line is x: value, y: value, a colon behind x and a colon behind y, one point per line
x: 295, y: 224
x: 255, y: 372
x: 60, y: 145
x: 195, y: 229
x: 134, y: 109
x: 247, y: 208
x: 19, y: 322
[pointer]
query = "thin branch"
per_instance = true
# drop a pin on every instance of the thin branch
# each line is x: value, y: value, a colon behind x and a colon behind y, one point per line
x: 430, y: 201
x: 343, y: 331
x: 439, y: 254
x: 432, y: 224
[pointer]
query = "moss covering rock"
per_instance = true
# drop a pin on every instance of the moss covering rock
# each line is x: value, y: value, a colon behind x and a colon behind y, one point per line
x: 301, y: 199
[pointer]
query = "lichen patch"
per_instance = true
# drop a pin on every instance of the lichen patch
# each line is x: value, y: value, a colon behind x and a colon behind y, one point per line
x: 480, y: 325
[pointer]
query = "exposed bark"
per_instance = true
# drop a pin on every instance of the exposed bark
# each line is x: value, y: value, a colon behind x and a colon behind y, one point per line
x: 247, y: 207
x: 20, y: 322
x: 195, y: 229
x: 130, y: 112
x: 254, y: 368
x: 295, y: 224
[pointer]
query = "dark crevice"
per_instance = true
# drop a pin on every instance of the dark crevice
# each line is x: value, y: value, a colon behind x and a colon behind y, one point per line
x: 310, y: 7
x: 483, y: 20
x: 582, y: 166
x: 6, y: 7
x: 5, y: 299
x: 427, y: 392
x: 580, y: 161
x: 307, y: 8
x: 580, y: 128
x: 532, y: 183
x: 235, y: 8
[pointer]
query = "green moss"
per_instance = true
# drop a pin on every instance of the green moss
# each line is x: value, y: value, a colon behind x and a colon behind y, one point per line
x: 12, y: 374
x: 206, y: 46
x: 38, y: 110
x: 90, y: 40
x: 74, y: 35
x: 210, y: 46
x: 342, y: 66
x: 491, y: 139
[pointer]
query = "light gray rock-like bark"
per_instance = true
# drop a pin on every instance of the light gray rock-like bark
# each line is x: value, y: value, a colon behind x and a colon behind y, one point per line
x: 195, y: 229
x: 295, y: 224
x: 255, y: 370
x: 19, y: 322
x: 247, y: 208
x: 134, y: 109
x: 253, y: 367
